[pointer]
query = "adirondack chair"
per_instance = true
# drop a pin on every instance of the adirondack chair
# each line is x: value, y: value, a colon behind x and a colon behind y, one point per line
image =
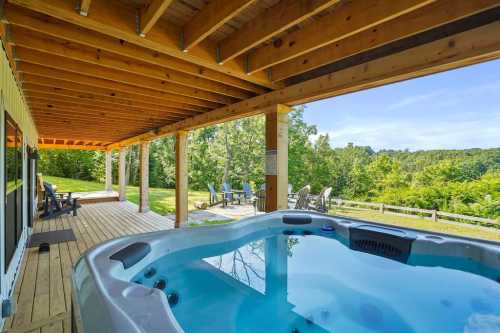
x: 320, y: 202
x: 58, y: 203
x: 247, y: 192
x: 214, y: 197
x: 230, y: 195
x: 302, y: 201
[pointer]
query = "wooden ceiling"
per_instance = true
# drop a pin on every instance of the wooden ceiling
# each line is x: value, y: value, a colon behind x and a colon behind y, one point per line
x: 98, y: 72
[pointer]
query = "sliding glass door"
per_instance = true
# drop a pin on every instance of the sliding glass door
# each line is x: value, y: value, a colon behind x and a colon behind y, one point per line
x: 13, y: 187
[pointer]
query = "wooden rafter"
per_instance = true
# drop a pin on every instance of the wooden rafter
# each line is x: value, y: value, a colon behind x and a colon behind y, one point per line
x: 47, y: 52
x: 21, y: 17
x: 151, y: 14
x: 34, y: 63
x: 466, y: 48
x: 174, y: 101
x: 211, y: 17
x: 346, y: 20
x: 425, y: 18
x: 91, y: 94
x: 45, y: 75
x: 283, y: 15
x: 113, y: 18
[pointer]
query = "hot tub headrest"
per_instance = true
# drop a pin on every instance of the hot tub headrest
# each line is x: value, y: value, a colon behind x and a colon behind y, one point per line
x: 131, y: 254
x: 297, y: 219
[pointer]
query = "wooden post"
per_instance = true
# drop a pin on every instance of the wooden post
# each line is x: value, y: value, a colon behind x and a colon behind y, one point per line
x: 109, y: 170
x: 181, y: 179
x: 277, y: 158
x: 144, y: 181
x: 381, y: 208
x: 121, y: 174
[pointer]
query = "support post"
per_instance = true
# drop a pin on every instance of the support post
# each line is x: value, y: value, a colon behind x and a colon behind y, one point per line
x: 109, y: 170
x: 277, y: 157
x: 121, y: 174
x: 144, y: 182
x: 181, y: 179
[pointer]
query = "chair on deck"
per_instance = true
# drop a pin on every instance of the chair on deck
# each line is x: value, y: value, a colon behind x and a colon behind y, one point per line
x: 57, y: 203
x: 214, y: 197
x: 229, y: 194
x: 247, y: 192
x: 321, y: 201
x: 302, y: 201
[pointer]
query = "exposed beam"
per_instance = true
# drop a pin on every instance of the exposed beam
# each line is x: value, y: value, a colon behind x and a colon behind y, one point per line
x: 21, y: 17
x: 346, y: 20
x: 45, y: 75
x: 285, y: 14
x: 84, y: 7
x: 210, y: 18
x: 48, y: 46
x: 31, y: 60
x: 461, y: 49
x: 73, y: 89
x: 83, y: 97
x: 425, y: 18
x: 49, y: 98
x: 70, y: 147
x: 151, y: 14
x: 116, y: 19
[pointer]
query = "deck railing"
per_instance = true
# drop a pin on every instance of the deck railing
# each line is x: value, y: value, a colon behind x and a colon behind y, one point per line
x: 431, y: 214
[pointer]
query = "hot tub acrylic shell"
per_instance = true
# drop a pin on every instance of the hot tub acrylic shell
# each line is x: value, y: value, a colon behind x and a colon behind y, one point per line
x: 106, y: 300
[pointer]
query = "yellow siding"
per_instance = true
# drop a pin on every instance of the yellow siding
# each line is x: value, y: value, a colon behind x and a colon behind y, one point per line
x: 14, y: 103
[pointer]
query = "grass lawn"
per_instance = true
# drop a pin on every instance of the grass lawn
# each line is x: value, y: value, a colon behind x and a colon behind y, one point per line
x: 422, y: 224
x: 161, y: 200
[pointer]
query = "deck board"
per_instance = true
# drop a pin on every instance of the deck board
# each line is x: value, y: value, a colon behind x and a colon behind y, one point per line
x: 43, y: 289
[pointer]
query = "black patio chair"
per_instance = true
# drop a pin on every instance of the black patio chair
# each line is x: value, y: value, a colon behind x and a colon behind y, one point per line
x: 58, y: 203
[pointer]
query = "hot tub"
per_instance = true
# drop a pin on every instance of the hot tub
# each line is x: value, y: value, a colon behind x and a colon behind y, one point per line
x: 290, y: 271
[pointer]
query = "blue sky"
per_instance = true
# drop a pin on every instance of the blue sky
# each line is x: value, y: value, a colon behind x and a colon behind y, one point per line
x: 451, y: 110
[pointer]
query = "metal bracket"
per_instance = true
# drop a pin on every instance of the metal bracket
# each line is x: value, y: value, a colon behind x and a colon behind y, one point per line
x: 247, y: 63
x: 138, y: 23
x: 182, y: 41
x: 270, y: 74
x: 218, y: 55
x: 8, y: 308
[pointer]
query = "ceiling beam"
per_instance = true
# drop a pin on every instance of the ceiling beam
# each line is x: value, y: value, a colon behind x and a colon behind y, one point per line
x: 210, y: 18
x: 45, y: 75
x: 282, y: 16
x: 69, y: 147
x: 30, y: 60
x: 27, y: 40
x: 345, y: 20
x: 151, y: 14
x: 84, y: 7
x: 116, y: 19
x: 92, y: 94
x: 21, y: 17
x: 461, y: 49
x: 70, y: 101
x: 422, y: 19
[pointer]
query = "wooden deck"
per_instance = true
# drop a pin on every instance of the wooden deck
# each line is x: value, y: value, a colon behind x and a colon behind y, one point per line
x: 43, y: 289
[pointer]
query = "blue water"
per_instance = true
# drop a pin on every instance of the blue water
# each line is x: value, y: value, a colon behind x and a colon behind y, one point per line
x: 315, y: 283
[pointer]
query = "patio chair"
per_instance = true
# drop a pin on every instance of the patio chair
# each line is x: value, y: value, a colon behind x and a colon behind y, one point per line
x: 320, y: 202
x: 302, y: 201
x: 229, y: 193
x: 247, y: 192
x: 214, y: 197
x: 58, y: 203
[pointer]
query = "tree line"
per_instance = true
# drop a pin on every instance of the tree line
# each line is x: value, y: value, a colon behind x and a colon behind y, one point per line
x: 461, y: 181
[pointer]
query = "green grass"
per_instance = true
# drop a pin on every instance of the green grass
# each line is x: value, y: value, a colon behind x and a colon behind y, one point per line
x: 161, y: 200
x: 421, y: 224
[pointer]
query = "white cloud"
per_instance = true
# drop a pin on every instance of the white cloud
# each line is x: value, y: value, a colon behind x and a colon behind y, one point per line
x: 416, y: 99
x: 406, y: 134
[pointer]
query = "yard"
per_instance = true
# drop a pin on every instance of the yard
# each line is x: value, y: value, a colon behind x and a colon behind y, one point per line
x: 162, y: 201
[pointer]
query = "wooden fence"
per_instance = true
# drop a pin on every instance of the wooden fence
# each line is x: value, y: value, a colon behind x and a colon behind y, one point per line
x: 434, y: 215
